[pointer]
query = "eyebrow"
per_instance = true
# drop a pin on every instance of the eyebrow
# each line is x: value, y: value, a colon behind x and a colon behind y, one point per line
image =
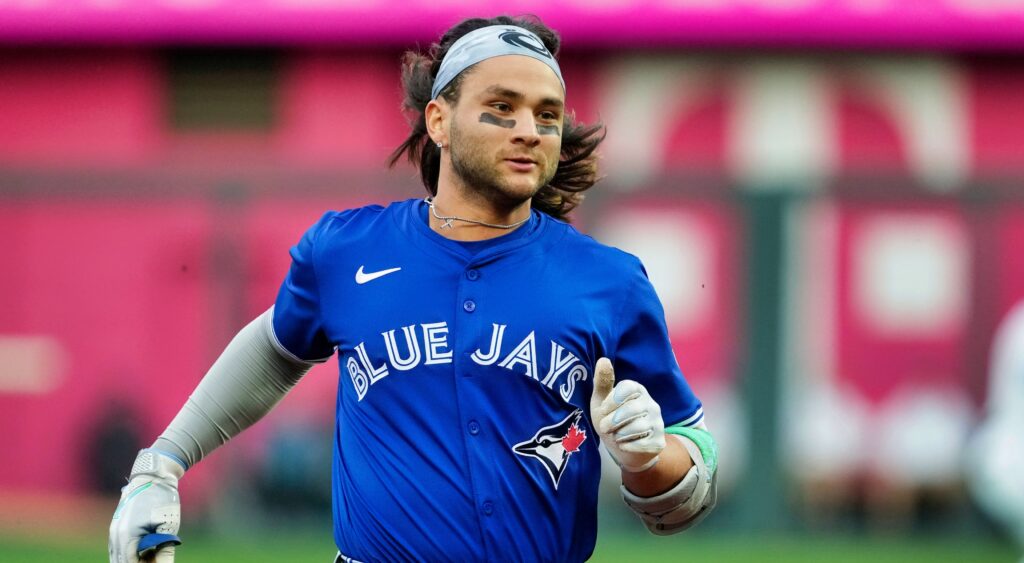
x: 503, y: 92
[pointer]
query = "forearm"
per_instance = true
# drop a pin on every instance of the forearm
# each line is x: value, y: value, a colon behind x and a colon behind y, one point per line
x: 673, y: 464
x: 687, y: 499
x: 243, y: 385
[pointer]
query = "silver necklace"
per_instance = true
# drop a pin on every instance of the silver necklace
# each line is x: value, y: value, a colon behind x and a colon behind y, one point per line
x: 448, y: 220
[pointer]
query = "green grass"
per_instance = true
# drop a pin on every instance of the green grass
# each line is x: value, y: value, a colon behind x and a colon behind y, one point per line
x: 692, y: 547
x: 723, y: 549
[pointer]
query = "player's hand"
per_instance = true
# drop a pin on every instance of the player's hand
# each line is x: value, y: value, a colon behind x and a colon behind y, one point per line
x: 149, y: 507
x: 627, y: 419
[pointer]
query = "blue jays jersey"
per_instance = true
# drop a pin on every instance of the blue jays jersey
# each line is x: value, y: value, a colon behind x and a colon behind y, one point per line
x: 463, y: 425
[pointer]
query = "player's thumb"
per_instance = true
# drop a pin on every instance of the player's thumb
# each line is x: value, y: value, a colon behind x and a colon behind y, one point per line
x: 604, y: 381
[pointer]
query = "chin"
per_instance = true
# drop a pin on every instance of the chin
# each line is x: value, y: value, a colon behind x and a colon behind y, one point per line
x: 520, y: 192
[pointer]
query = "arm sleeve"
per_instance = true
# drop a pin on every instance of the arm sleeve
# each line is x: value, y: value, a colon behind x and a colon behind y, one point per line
x: 297, y: 328
x: 244, y: 384
x: 644, y: 354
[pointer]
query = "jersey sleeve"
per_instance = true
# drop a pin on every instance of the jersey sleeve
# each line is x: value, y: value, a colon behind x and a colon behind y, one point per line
x: 644, y: 354
x: 298, y: 329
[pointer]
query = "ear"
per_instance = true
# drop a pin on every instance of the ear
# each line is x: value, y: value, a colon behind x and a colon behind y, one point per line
x: 437, y: 115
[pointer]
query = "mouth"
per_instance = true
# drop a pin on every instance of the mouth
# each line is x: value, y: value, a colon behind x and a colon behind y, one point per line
x: 521, y: 163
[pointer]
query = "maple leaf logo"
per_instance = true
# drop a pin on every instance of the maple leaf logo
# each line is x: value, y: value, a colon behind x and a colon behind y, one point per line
x: 573, y: 439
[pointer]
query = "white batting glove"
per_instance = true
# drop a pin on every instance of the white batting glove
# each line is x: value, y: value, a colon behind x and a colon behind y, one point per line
x: 627, y: 419
x: 149, y: 505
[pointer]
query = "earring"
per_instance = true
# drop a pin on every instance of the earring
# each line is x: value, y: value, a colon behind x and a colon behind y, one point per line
x: 440, y: 145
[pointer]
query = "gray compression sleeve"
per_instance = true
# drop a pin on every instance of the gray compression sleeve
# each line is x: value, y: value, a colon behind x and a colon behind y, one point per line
x: 251, y: 376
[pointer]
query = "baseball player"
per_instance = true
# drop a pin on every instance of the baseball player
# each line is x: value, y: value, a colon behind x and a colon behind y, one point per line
x: 485, y: 347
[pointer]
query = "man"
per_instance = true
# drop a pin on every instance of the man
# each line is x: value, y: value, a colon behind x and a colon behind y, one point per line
x: 996, y: 471
x: 475, y: 335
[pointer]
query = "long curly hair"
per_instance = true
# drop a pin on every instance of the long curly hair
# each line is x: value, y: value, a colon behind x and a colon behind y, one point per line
x: 577, y: 164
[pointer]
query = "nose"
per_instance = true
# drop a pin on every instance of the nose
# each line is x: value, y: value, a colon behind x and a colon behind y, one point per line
x: 525, y: 131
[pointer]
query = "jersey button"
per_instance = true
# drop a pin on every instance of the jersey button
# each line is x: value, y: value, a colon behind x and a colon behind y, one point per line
x: 474, y: 427
x: 469, y: 305
x: 488, y: 508
x: 473, y: 275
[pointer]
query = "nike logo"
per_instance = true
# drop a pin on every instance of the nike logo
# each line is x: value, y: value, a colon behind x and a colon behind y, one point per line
x: 362, y: 277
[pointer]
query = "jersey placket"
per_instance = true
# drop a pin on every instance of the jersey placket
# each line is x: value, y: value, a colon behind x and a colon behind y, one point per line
x: 472, y: 314
x: 474, y: 431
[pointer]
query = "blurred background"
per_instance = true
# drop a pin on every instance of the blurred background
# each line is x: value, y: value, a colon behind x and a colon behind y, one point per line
x: 828, y: 196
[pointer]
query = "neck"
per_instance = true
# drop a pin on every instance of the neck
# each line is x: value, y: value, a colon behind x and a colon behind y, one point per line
x: 473, y: 208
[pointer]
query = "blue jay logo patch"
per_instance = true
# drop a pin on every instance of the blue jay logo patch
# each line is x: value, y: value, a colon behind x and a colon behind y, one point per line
x: 553, y: 445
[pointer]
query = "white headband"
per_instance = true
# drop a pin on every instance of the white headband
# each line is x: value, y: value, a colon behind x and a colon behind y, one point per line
x: 488, y: 42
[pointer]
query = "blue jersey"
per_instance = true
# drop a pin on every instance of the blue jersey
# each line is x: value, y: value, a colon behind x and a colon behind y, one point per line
x: 463, y: 424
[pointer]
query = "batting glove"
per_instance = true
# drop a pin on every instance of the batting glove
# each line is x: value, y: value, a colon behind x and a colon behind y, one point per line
x: 149, y: 511
x: 627, y: 419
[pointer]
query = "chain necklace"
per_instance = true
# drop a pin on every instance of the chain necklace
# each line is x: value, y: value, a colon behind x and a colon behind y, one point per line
x: 448, y: 220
